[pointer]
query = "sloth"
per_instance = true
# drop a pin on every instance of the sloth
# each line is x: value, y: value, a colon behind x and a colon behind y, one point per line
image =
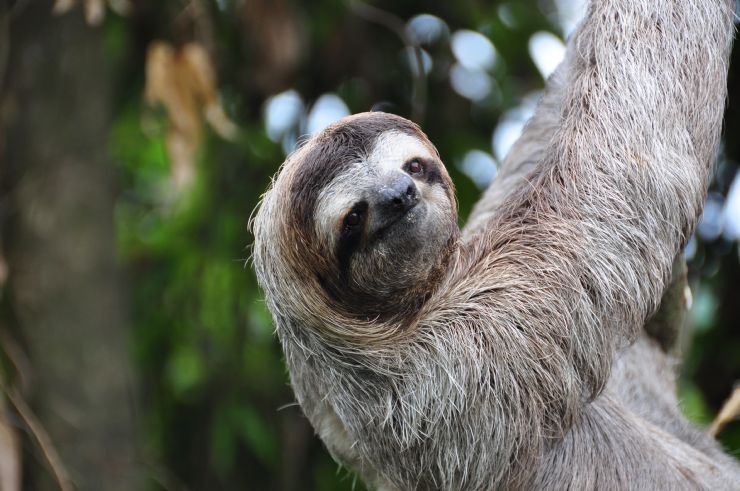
x: 512, y: 354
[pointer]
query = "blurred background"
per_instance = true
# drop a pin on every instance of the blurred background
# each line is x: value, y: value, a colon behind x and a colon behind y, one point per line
x: 135, y: 140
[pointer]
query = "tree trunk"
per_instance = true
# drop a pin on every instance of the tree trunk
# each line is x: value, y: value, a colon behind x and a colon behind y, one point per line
x: 64, y: 290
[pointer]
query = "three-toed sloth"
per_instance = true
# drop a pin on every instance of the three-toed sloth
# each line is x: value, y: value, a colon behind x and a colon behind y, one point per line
x: 511, y: 355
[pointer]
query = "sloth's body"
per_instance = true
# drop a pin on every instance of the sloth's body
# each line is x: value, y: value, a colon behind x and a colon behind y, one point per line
x: 427, y: 358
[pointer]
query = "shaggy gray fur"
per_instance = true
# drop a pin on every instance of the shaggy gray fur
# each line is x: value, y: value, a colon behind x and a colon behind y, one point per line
x: 502, y: 368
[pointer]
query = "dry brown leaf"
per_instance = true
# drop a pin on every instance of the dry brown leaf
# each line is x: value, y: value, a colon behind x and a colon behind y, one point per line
x: 220, y: 122
x: 183, y: 81
x: 182, y: 152
x: 197, y: 63
x: 730, y: 410
x: 203, y: 80
x: 168, y: 84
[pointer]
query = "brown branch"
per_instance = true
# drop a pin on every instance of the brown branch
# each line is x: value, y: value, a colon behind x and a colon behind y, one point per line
x: 23, y: 372
x: 730, y: 410
x: 36, y: 429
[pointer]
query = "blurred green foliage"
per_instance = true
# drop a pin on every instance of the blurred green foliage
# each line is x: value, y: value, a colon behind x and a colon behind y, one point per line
x: 217, y: 410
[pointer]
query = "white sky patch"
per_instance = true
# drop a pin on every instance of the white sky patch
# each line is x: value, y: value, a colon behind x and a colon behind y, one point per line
x: 472, y: 84
x: 731, y: 211
x: 710, y: 223
x: 547, y: 51
x: 289, y: 143
x: 480, y: 167
x: 570, y: 13
x: 282, y: 112
x: 326, y: 110
x: 511, y: 125
x: 427, y: 28
x: 690, y: 250
x: 473, y: 50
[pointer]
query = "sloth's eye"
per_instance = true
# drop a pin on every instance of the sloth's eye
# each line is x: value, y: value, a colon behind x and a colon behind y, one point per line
x: 352, y: 224
x: 353, y: 219
x: 414, y: 167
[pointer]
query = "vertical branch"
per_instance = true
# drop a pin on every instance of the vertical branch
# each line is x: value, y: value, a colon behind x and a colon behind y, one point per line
x: 65, y: 292
x: 42, y: 439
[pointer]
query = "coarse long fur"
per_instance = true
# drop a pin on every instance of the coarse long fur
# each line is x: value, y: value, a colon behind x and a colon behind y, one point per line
x: 498, y: 358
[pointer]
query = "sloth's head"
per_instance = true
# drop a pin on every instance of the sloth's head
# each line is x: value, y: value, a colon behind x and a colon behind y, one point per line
x: 363, y: 217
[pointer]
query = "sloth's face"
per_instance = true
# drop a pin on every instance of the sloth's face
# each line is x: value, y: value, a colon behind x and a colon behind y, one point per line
x: 387, y: 220
x: 363, y: 216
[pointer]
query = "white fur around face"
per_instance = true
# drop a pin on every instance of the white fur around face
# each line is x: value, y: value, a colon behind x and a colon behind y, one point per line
x: 391, y: 151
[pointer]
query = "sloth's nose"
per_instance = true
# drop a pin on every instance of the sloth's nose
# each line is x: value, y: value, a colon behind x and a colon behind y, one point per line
x: 400, y: 195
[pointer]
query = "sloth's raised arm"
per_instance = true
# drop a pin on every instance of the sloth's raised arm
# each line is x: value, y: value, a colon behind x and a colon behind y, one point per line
x: 575, y: 259
x: 642, y: 374
x: 528, y: 152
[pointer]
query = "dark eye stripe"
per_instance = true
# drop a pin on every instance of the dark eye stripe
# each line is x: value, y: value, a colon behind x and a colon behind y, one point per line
x: 350, y: 236
x: 352, y: 219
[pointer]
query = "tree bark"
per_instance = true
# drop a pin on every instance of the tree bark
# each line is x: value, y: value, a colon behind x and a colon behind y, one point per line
x: 65, y: 293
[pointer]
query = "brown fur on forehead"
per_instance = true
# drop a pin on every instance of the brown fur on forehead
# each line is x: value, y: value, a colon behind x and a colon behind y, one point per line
x: 332, y: 151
